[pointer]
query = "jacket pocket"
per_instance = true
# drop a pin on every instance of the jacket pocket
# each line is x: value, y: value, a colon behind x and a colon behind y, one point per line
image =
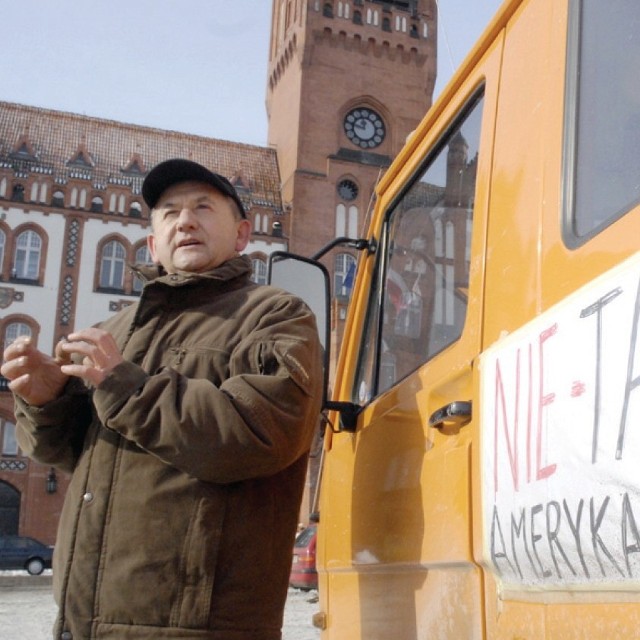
x: 198, y: 361
x: 200, y: 555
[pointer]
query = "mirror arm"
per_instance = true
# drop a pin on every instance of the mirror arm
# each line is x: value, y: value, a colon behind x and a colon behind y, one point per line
x: 355, y: 243
x: 348, y: 411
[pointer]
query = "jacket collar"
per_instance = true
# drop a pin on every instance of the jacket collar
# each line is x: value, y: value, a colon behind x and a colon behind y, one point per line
x: 229, y: 270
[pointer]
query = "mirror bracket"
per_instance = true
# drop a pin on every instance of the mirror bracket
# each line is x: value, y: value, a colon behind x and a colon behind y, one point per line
x: 349, y: 412
x: 360, y: 244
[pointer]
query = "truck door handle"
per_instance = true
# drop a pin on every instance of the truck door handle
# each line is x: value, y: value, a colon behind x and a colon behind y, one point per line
x: 454, y: 414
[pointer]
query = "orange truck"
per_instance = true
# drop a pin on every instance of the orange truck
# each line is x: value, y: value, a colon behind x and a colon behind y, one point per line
x: 481, y: 473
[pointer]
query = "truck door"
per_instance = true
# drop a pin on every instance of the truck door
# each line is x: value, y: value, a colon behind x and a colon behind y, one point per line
x: 396, y: 498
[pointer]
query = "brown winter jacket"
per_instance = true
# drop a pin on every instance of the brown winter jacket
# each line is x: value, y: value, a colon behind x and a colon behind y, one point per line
x: 188, y: 463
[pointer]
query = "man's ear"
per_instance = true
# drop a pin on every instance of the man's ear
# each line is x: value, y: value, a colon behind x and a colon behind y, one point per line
x: 151, y: 245
x: 244, y: 234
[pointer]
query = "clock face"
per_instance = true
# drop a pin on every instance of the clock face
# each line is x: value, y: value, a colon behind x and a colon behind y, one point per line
x: 364, y: 127
x: 348, y: 190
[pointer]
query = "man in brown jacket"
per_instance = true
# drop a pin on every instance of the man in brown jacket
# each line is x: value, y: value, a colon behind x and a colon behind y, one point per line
x: 185, y: 421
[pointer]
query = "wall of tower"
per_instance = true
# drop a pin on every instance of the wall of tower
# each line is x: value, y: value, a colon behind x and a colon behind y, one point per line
x: 285, y: 118
x: 344, y: 65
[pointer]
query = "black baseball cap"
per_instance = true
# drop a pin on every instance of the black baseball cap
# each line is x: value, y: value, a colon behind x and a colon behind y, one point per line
x: 170, y: 172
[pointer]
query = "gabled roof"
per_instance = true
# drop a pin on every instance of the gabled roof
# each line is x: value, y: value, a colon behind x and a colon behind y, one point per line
x: 122, y: 153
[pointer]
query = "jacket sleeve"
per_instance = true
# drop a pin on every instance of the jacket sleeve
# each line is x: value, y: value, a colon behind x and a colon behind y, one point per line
x: 256, y: 423
x: 54, y: 433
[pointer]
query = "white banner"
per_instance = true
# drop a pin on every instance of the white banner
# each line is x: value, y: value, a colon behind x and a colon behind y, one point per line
x: 560, y: 442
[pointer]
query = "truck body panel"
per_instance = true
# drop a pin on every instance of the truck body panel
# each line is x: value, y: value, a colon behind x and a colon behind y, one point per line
x: 489, y: 489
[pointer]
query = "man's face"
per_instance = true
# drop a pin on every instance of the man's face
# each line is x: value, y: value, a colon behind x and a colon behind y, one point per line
x: 195, y: 228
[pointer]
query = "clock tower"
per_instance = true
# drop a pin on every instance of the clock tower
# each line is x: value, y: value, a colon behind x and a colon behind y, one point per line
x: 348, y: 82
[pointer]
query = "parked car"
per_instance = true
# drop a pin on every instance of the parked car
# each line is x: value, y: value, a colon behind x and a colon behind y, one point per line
x: 303, y: 570
x: 22, y: 552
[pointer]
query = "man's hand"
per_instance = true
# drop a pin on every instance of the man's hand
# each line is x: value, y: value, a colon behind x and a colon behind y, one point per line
x: 99, y: 351
x: 34, y: 376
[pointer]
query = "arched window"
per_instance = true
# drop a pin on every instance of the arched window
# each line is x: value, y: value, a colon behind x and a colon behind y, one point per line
x: 112, y: 266
x: 259, y: 275
x: 341, y: 220
x: 9, y: 441
x: 9, y: 509
x: 121, y: 201
x: 17, y: 194
x: 352, y: 229
x: 401, y: 23
x: 256, y: 223
x: 142, y: 257
x: 39, y: 192
x: 343, y: 274
x: 357, y: 17
x: 58, y: 199
x: 15, y: 330
x: 327, y: 10
x: 135, y: 210
x: 343, y: 10
x: 386, y: 24
x: 96, y: 204
x: 26, y: 264
x: 3, y: 187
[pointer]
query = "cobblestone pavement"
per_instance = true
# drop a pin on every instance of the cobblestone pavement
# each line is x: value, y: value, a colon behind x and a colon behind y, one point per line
x: 27, y: 610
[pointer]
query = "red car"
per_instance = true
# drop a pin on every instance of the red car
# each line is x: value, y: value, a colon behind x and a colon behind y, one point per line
x: 303, y: 570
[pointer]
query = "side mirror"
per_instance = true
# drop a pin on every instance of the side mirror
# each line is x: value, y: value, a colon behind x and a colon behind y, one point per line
x: 309, y: 280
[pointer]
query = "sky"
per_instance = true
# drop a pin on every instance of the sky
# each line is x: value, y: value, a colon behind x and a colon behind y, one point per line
x: 194, y: 66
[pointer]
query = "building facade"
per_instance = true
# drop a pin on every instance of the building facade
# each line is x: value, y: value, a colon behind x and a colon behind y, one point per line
x: 347, y: 83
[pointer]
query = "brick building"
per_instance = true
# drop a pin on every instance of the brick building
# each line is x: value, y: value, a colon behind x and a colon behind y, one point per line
x: 348, y: 81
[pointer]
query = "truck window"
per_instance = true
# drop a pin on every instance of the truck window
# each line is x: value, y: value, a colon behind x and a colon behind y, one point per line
x: 418, y: 301
x: 603, y: 116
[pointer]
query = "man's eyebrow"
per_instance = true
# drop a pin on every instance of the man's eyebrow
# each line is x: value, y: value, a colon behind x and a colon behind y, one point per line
x: 170, y: 204
x: 205, y: 198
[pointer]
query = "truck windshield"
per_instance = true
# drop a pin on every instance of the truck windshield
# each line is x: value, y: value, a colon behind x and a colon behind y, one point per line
x: 418, y: 305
